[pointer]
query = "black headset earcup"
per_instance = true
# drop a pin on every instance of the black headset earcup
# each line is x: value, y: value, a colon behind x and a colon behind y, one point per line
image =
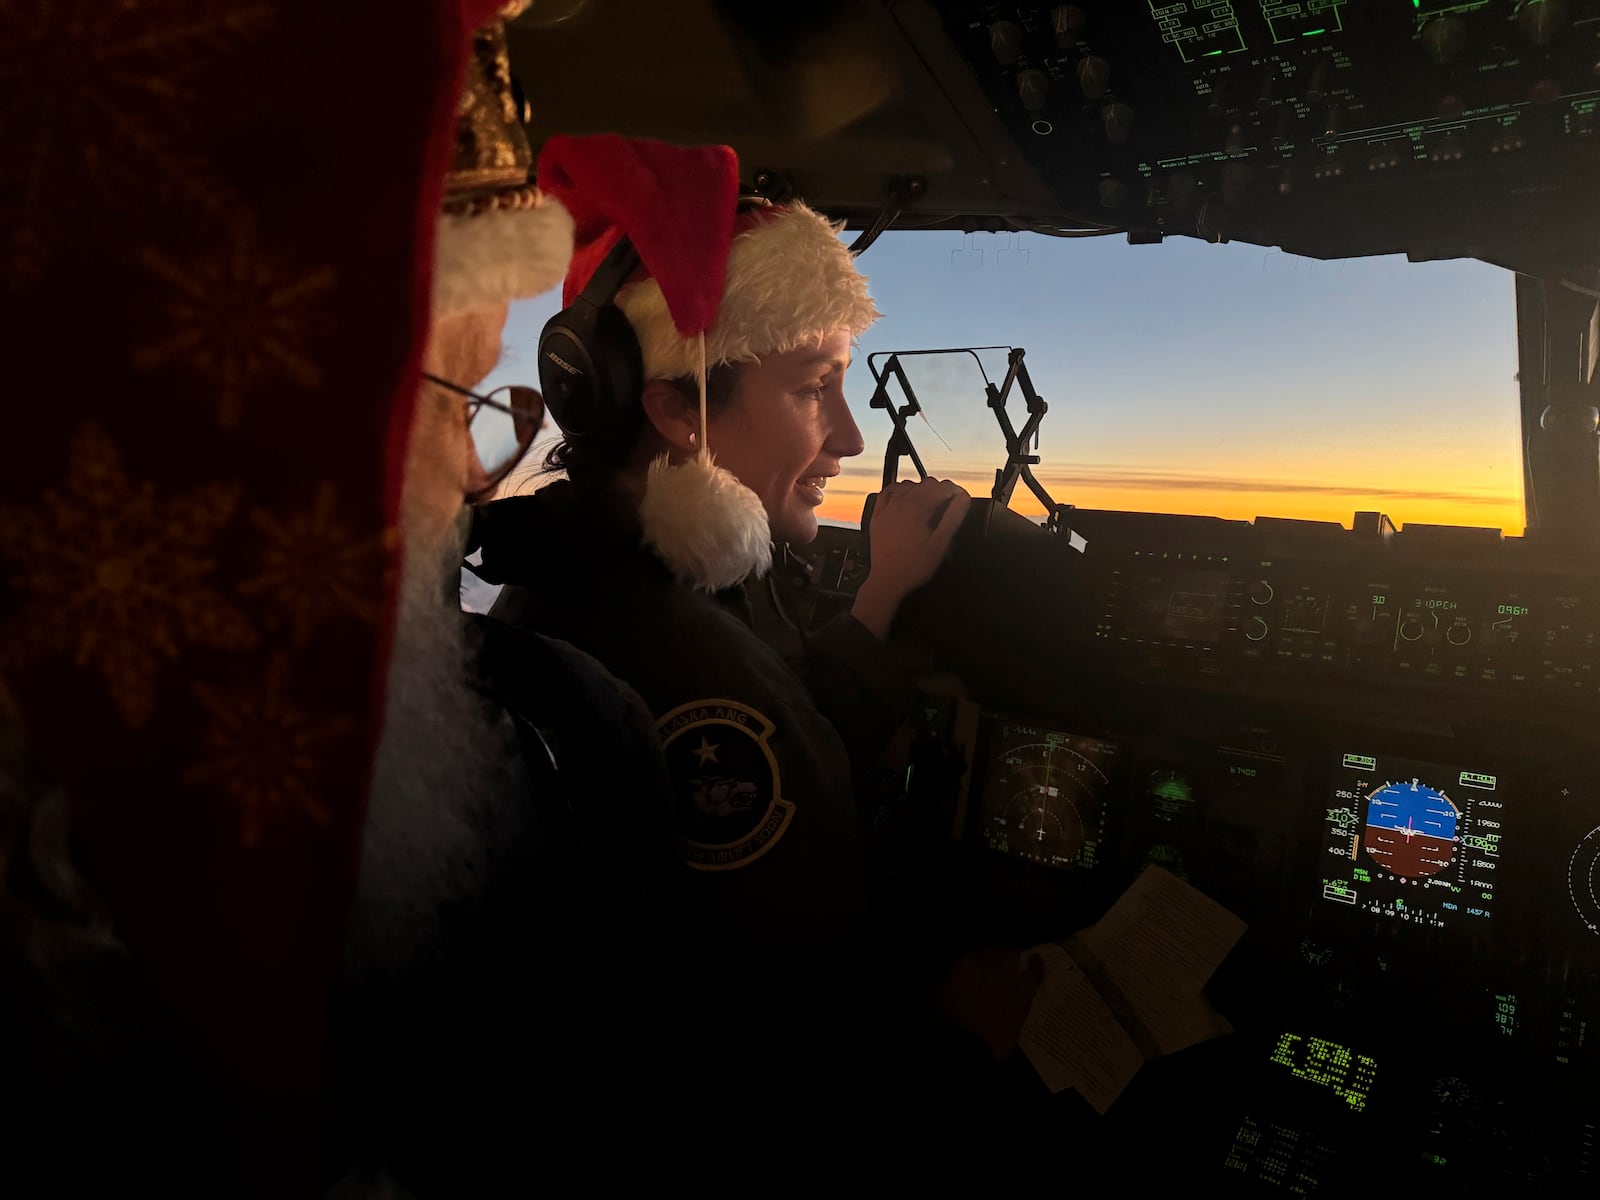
x: 590, y: 370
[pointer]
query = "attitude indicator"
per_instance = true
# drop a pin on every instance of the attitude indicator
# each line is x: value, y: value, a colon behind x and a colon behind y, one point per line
x: 1413, y: 842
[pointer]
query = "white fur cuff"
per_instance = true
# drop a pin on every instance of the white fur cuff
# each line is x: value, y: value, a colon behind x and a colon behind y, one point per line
x: 498, y: 256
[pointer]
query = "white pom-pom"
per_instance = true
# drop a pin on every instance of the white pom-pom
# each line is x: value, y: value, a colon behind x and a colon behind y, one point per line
x: 708, y: 528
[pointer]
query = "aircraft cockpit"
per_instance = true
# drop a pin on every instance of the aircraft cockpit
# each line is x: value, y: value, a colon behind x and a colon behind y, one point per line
x: 1370, y: 739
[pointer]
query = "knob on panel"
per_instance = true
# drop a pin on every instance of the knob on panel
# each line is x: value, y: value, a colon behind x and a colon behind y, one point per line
x: 1317, y: 88
x: 1443, y: 37
x: 1118, y: 118
x: 1094, y: 76
x: 1112, y: 192
x: 1032, y: 87
x: 1540, y: 19
x: 1068, y: 21
x: 1005, y: 42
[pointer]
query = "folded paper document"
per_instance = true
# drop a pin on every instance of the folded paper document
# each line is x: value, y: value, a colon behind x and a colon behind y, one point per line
x: 1128, y: 988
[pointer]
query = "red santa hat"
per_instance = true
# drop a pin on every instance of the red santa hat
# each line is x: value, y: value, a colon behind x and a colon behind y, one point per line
x: 715, y: 285
x: 499, y: 237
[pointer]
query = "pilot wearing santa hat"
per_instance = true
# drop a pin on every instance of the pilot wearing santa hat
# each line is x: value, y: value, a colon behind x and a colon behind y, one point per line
x: 697, y: 374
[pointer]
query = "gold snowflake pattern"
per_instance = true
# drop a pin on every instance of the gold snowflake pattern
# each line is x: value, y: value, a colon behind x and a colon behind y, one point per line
x: 97, y: 98
x: 116, y: 576
x: 238, y: 319
x: 263, y: 753
x: 315, y: 569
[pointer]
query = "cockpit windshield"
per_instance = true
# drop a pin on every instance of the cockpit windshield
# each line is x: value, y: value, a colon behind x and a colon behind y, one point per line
x: 1187, y: 377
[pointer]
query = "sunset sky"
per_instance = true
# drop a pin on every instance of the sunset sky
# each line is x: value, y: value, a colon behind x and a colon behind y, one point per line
x: 1185, y: 377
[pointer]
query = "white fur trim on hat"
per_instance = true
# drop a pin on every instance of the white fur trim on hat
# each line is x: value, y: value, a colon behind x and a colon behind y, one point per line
x: 791, y: 282
x: 710, y: 529
x: 500, y: 255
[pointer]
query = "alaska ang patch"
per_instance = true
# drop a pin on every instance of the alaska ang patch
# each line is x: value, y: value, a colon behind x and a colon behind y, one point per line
x: 727, y: 779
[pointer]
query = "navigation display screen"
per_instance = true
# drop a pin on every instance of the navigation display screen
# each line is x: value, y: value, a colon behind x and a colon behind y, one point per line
x: 1046, y: 794
x: 1413, y: 841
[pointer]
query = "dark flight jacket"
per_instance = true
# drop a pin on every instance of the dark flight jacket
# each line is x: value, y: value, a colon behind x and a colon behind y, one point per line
x: 791, y: 1018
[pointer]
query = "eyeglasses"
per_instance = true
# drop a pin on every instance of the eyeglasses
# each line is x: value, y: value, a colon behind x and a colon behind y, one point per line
x: 503, y: 425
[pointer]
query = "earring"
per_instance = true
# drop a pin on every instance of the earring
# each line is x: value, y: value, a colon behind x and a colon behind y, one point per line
x: 694, y: 440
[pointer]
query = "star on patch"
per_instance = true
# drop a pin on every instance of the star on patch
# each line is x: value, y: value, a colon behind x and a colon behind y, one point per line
x: 706, y: 751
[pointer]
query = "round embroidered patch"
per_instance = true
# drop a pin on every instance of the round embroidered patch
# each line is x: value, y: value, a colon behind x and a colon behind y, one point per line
x: 727, y: 779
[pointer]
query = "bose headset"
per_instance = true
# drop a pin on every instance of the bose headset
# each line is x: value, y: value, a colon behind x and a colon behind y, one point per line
x: 590, y: 368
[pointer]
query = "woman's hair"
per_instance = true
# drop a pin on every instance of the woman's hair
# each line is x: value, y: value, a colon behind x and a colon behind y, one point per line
x: 593, y: 458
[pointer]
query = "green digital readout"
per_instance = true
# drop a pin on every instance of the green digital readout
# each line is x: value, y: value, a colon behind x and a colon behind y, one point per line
x: 1328, y: 1064
x: 1505, y: 1014
x: 1360, y: 762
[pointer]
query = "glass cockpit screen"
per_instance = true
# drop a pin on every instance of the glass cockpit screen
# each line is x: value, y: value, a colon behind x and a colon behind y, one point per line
x: 1412, y: 841
x: 1046, y: 795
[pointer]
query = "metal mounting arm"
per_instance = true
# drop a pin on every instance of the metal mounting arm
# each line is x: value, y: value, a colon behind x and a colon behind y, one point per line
x: 1019, y: 462
x: 899, y: 441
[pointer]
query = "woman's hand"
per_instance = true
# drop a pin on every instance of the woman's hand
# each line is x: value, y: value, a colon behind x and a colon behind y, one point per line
x: 912, y: 527
x: 989, y: 993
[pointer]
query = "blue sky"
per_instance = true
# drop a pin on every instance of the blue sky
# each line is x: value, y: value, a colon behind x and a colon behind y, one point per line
x: 1227, y: 380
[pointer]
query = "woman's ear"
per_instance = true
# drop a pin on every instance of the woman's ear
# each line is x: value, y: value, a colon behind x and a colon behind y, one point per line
x: 672, y: 414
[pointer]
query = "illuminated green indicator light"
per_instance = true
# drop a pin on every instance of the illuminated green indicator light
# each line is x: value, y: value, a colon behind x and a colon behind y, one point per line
x: 1211, y: 53
x: 1313, y: 32
x: 1173, y: 789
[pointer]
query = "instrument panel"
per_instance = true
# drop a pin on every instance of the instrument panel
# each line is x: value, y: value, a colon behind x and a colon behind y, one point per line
x: 1489, y: 617
x: 1449, y: 126
x: 1417, y: 998
x: 1374, y: 747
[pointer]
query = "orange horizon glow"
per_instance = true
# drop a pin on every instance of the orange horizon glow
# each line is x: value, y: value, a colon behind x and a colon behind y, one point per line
x: 1232, y: 500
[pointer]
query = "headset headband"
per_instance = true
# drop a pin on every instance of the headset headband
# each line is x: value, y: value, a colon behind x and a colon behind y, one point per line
x: 611, y: 276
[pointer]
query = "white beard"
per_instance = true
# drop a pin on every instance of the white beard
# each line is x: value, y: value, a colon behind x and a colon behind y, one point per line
x: 440, y: 771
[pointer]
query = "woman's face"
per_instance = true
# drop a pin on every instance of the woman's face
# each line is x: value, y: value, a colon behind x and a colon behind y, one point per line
x: 786, y: 430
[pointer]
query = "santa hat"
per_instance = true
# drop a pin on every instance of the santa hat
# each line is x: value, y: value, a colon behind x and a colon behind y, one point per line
x: 715, y: 285
x: 499, y: 237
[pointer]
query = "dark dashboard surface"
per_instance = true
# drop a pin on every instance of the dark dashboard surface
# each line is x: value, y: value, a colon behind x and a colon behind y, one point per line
x: 1374, y: 747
